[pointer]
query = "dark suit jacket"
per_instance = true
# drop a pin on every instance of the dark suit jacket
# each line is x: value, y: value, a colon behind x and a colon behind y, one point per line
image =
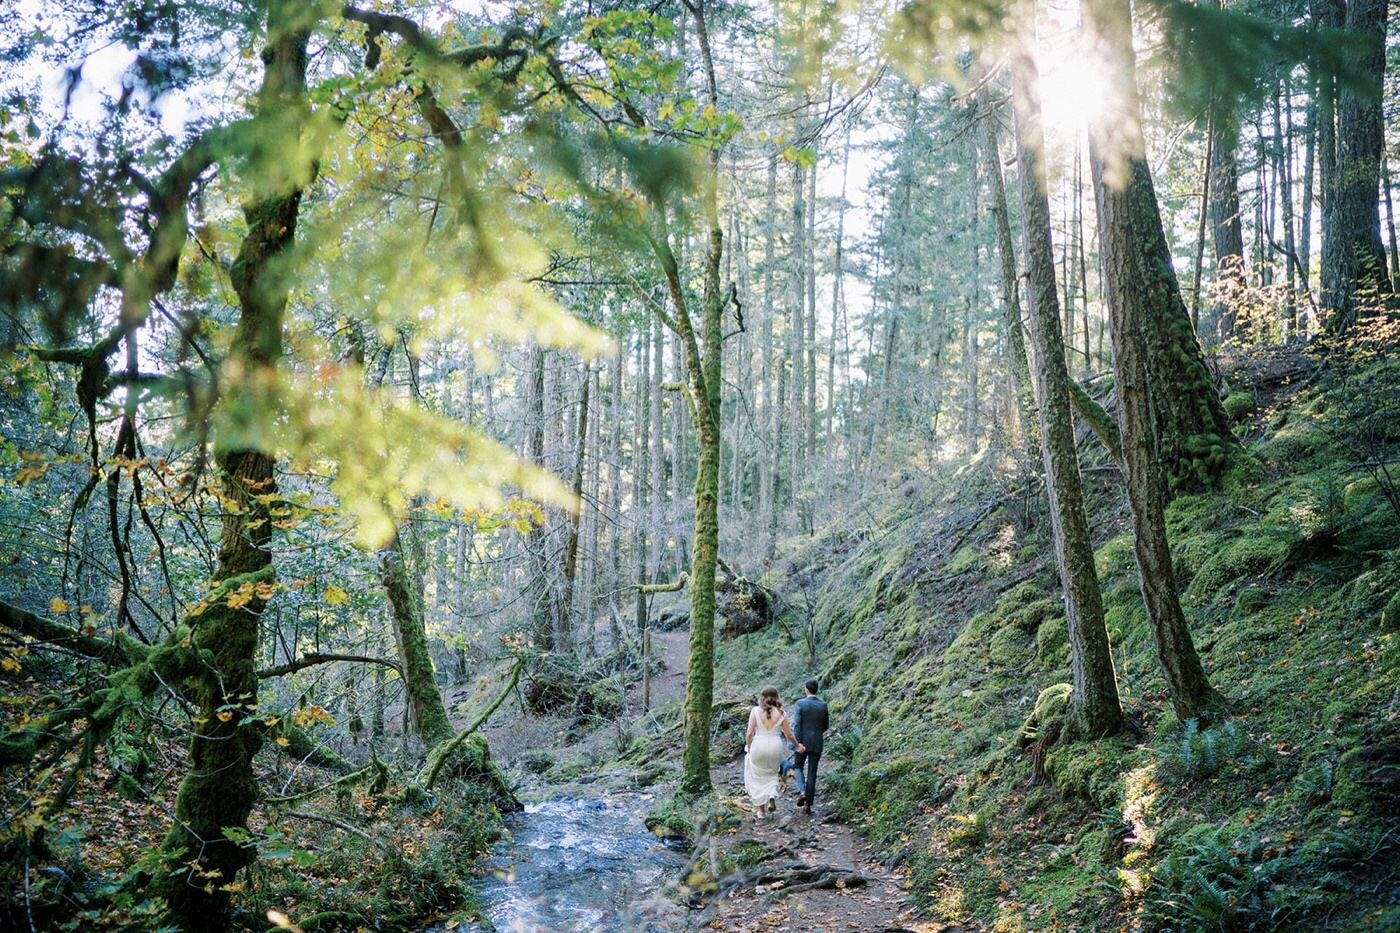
x: 811, y: 723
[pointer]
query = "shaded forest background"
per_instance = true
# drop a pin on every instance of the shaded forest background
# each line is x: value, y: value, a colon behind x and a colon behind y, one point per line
x: 1027, y: 374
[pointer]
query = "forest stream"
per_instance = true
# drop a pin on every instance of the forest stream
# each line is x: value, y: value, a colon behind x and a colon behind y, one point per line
x: 573, y: 863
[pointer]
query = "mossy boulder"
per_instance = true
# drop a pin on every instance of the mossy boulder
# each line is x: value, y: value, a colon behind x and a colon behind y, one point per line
x: 535, y: 761
x: 1089, y: 771
x: 1254, y: 552
x: 1390, y: 615
x: 1047, y: 718
x: 1034, y: 613
x: 1238, y: 405
x: 1252, y: 599
x: 1115, y: 558
x: 1368, y: 777
x: 670, y: 820
x: 1052, y: 641
x: 469, y: 761
x: 605, y: 697
x: 1009, y: 647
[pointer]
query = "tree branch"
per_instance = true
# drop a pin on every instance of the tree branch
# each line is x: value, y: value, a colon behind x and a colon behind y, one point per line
x: 675, y: 586
x: 311, y: 660
x: 45, y: 630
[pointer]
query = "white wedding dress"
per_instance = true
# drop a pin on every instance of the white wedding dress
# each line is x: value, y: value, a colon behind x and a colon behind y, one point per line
x: 761, y: 763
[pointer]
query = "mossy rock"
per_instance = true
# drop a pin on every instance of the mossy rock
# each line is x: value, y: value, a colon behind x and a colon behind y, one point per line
x: 1126, y: 619
x: 1047, y: 718
x: 1034, y: 613
x: 1373, y: 596
x: 1238, y: 405
x: 670, y: 820
x: 1009, y: 647
x: 1254, y: 552
x: 1052, y: 642
x: 1252, y: 599
x: 1390, y: 615
x: 1115, y: 558
x: 1190, y: 551
x: 1089, y: 771
x: 535, y: 761
x: 1014, y: 600
x: 1300, y: 443
x: 605, y: 697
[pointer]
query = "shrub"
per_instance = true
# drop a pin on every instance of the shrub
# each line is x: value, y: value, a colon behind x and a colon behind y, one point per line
x: 844, y: 744
x: 1194, y: 754
x: 1215, y: 880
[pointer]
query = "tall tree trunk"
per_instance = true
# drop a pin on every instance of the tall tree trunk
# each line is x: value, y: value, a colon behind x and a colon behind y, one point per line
x: 809, y: 410
x: 1283, y: 155
x: 1134, y: 285
x: 406, y: 603
x: 616, y: 396
x: 705, y: 360
x: 1390, y: 220
x: 838, y: 296
x: 769, y: 460
x: 1094, y: 704
x: 1354, y: 274
x: 571, y: 545
x: 537, y: 539
x: 218, y: 792
x: 641, y: 473
x: 1226, y: 226
x: 797, y: 338
x: 1018, y: 368
x: 1305, y: 224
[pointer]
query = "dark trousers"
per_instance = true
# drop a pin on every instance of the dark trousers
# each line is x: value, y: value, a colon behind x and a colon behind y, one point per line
x: 806, y: 764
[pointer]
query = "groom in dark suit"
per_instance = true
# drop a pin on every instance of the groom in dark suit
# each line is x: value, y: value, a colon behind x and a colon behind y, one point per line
x: 809, y: 728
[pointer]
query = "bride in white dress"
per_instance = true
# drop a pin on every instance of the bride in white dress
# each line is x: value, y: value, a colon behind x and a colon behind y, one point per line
x: 764, y: 750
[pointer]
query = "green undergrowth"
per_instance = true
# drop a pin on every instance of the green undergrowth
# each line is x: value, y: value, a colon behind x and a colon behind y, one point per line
x: 936, y: 653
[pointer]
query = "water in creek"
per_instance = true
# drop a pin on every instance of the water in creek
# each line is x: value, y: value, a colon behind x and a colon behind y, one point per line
x: 574, y: 864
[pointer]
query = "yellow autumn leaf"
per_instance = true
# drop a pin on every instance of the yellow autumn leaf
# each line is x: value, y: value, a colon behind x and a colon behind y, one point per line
x: 335, y: 596
x: 57, y: 605
x: 225, y: 715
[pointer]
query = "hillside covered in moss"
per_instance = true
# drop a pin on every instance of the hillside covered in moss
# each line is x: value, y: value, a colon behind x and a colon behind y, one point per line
x: 935, y: 620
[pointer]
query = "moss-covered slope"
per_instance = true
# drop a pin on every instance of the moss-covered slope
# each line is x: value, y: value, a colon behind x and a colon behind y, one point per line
x: 938, y: 629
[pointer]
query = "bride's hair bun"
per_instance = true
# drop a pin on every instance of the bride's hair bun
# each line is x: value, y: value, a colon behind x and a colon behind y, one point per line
x: 768, y: 699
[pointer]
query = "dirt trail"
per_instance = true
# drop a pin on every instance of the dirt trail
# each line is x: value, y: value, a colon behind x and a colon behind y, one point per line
x: 816, y: 875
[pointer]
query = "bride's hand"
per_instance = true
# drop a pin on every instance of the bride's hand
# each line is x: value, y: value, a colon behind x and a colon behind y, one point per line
x: 801, y: 748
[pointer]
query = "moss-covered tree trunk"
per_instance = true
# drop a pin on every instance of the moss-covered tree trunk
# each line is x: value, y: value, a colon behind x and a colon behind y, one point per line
x: 1094, y: 705
x: 420, y: 686
x: 704, y: 355
x: 1134, y: 286
x: 1193, y: 431
x: 217, y: 794
x: 1019, y: 376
